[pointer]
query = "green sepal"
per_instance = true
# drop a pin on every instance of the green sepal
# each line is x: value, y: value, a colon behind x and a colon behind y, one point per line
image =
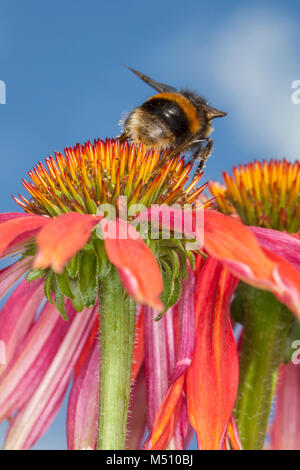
x: 88, y: 279
x: 59, y: 299
x: 172, y: 287
x: 64, y: 283
x: 192, y: 259
x: 183, y: 258
x: 31, y: 250
x: 76, y: 297
x: 34, y: 274
x: 103, y: 263
x: 48, y: 286
x: 175, y: 265
x: 72, y: 266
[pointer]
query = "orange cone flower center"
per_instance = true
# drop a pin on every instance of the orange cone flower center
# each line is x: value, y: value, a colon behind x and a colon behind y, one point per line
x: 89, y: 175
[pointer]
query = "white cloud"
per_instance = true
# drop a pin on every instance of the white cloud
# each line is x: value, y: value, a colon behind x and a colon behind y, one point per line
x: 254, y: 62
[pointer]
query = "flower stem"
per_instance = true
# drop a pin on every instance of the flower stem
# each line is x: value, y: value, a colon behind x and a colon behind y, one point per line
x: 117, y: 327
x: 266, y: 326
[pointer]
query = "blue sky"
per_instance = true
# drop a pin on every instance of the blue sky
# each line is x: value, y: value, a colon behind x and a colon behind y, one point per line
x: 65, y: 83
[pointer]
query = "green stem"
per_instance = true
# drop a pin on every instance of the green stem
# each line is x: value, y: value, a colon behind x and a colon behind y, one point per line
x: 266, y: 326
x: 117, y: 326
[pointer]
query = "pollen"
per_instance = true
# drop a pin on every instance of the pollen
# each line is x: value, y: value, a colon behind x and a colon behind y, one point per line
x: 264, y: 194
x: 89, y: 175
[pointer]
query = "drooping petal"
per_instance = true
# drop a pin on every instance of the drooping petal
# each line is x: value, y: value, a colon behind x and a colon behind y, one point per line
x: 36, y: 415
x: 172, y: 407
x: 10, y: 275
x: 285, y: 431
x: 62, y: 237
x: 17, y: 315
x: 13, y: 228
x: 33, y: 358
x: 212, y: 378
x: 234, y: 245
x: 136, y: 264
x: 83, y: 406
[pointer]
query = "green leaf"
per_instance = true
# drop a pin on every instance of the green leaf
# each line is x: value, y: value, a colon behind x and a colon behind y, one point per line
x: 88, y: 279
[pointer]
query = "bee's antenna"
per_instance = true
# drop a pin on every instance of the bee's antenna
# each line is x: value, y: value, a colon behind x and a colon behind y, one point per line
x: 161, y: 87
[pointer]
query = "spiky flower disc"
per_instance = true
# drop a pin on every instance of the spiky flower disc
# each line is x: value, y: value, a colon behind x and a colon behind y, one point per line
x: 264, y: 194
x: 89, y: 175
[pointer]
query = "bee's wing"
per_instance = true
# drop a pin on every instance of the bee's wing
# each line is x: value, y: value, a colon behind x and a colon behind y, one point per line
x: 161, y: 87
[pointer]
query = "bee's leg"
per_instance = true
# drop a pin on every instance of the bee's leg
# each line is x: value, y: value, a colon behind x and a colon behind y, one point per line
x: 202, y: 154
x: 123, y: 137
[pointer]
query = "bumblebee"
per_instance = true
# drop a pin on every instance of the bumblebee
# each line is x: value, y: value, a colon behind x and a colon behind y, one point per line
x: 176, y: 119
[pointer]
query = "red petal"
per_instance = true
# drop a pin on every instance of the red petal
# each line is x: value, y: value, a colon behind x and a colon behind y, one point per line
x: 136, y: 264
x: 62, y: 238
x: 212, y: 378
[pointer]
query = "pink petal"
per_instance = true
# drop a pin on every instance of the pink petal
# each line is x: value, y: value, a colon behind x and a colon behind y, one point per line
x: 281, y: 243
x: 17, y: 315
x: 159, y: 359
x: 10, y: 275
x: 136, y: 423
x: 83, y: 406
x: 63, y: 237
x: 171, y: 421
x: 136, y: 264
x: 36, y: 352
x: 5, y: 216
x: 36, y: 415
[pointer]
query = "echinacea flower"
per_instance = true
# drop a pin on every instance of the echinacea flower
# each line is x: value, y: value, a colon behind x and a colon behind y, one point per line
x: 265, y: 196
x: 80, y: 247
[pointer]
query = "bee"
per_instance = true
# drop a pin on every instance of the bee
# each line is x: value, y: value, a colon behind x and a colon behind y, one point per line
x: 176, y: 119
